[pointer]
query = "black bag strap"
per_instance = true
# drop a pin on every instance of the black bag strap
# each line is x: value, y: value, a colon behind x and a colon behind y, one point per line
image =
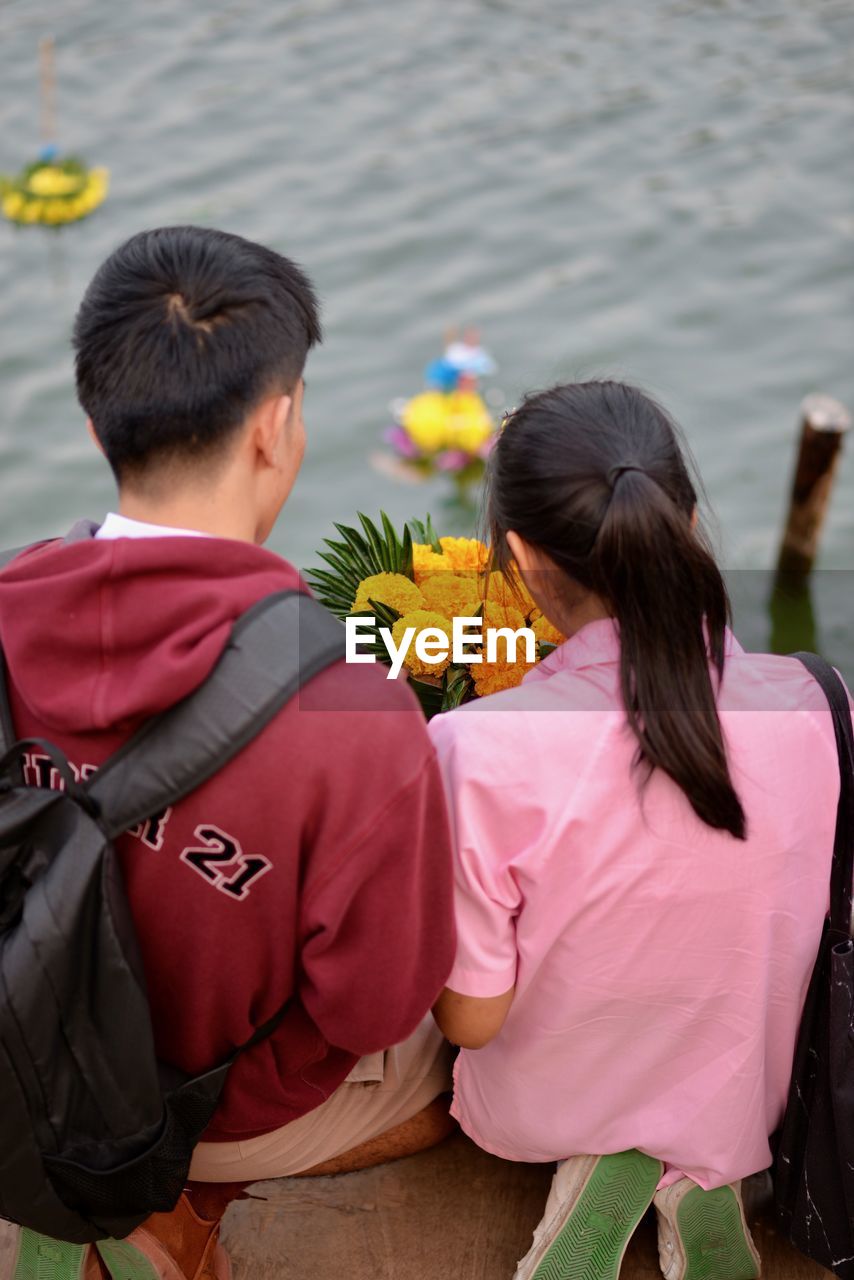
x: 842, y: 868
x: 274, y: 649
x: 12, y: 757
x: 7, y: 728
x: 80, y: 531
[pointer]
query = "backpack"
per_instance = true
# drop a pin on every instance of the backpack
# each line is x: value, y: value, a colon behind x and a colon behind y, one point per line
x: 814, y: 1149
x: 95, y: 1133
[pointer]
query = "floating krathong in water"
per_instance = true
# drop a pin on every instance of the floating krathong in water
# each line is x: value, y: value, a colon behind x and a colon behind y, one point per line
x: 52, y: 190
x: 446, y: 428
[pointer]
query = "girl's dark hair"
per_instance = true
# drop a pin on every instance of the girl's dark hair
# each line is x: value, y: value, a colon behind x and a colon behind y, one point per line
x: 592, y: 474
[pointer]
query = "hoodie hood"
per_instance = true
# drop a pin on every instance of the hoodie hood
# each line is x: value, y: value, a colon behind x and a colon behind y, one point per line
x: 100, y: 635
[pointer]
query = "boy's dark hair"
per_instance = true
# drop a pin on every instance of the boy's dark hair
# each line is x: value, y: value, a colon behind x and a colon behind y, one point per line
x: 182, y: 331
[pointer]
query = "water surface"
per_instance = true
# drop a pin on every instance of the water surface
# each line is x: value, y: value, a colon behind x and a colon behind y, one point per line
x: 659, y: 191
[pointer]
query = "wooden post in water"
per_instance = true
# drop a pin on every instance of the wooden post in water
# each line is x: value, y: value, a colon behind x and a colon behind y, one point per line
x: 824, y: 422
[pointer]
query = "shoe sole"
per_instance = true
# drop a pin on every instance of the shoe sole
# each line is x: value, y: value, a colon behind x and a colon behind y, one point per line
x: 125, y: 1261
x: 591, y: 1242
x: 714, y: 1236
x: 43, y: 1258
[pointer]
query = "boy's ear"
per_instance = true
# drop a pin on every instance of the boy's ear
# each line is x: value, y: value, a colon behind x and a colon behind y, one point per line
x: 90, y: 427
x: 270, y: 419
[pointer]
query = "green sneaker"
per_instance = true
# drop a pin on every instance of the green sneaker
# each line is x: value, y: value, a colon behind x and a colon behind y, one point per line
x: 594, y: 1205
x: 27, y: 1255
x: 131, y: 1260
x: 703, y: 1235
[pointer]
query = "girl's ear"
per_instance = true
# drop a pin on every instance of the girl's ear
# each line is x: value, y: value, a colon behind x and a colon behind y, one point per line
x: 522, y: 552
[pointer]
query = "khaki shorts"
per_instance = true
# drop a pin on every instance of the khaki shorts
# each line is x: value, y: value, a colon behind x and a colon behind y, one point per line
x: 382, y: 1090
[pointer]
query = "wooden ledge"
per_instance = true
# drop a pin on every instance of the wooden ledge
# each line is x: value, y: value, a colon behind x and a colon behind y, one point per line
x: 451, y: 1212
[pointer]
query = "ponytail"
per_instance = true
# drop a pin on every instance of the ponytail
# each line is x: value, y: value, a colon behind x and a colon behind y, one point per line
x: 592, y: 474
x: 671, y: 606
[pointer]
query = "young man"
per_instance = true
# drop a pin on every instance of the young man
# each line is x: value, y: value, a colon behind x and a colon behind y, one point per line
x: 314, y: 869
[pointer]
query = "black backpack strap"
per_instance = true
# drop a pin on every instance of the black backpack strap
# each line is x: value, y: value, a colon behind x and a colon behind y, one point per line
x: 7, y: 728
x: 842, y: 871
x: 274, y: 649
x: 81, y: 531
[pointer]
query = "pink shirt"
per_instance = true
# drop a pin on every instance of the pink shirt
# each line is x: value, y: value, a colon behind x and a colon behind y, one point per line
x: 660, y: 966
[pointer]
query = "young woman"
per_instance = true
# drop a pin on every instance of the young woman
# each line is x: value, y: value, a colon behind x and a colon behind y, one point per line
x: 643, y: 839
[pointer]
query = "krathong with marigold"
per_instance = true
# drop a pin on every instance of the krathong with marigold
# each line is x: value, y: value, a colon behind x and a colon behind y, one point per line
x: 446, y: 428
x: 53, y: 190
x: 419, y: 580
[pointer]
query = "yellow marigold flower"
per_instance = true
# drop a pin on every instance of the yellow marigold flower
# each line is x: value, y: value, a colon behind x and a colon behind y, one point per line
x: 426, y: 561
x: 464, y: 553
x: 421, y: 620
x: 13, y: 203
x: 514, y: 594
x: 451, y: 594
x: 546, y: 631
x: 425, y: 420
x: 469, y: 425
x: 53, y: 181
x: 500, y: 615
x: 99, y: 181
x: 492, y: 677
x: 393, y: 589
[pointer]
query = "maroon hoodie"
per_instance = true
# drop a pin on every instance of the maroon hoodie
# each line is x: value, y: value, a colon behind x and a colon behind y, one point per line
x: 337, y: 897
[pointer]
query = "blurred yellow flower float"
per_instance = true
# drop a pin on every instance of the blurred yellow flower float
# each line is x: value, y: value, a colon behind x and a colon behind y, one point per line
x: 53, y: 190
x: 407, y: 596
x: 447, y: 428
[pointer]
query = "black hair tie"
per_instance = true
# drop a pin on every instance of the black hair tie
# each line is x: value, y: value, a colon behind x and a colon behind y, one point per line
x: 615, y: 472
